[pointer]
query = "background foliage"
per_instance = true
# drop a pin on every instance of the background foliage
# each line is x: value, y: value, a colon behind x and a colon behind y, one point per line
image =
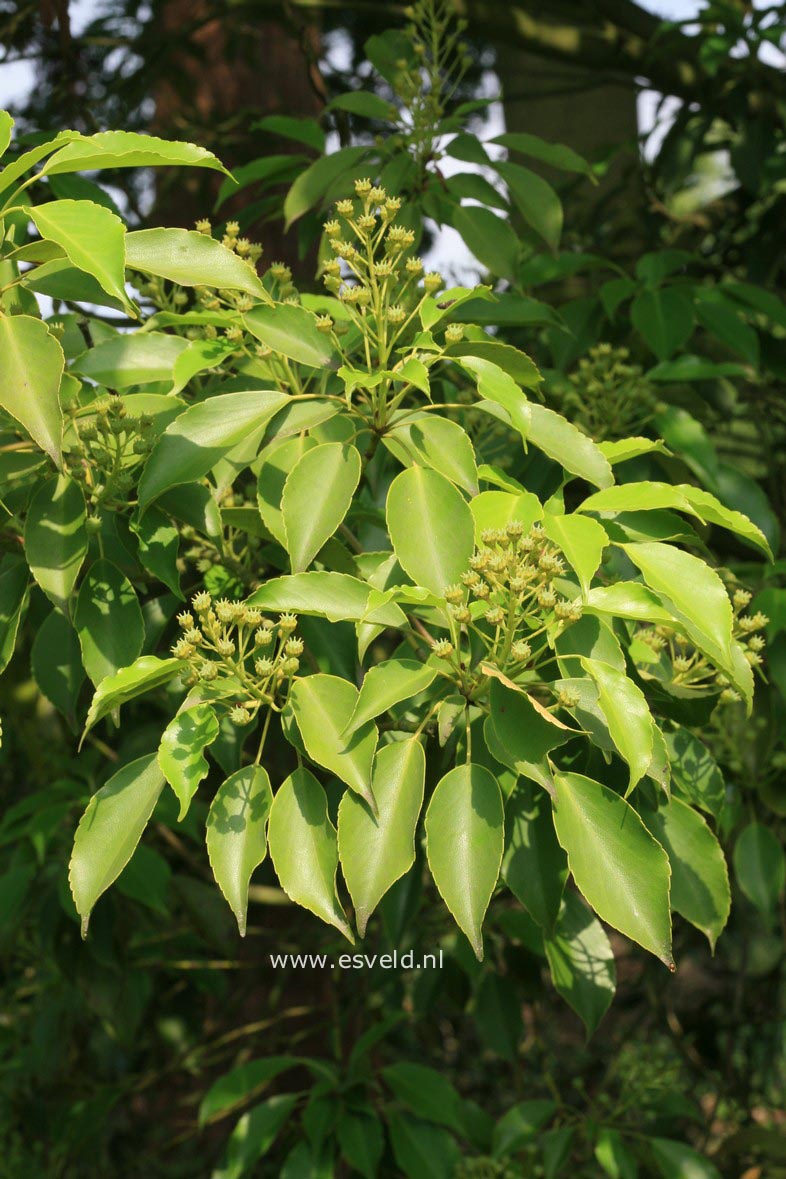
x: 646, y: 288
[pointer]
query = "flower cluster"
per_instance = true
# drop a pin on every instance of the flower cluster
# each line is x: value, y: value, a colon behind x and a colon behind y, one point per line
x: 107, y: 451
x: 374, y: 272
x: 607, y: 397
x: 247, y: 658
x: 508, y: 598
x: 672, y: 659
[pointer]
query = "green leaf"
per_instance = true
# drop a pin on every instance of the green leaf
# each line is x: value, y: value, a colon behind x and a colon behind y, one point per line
x: 699, y: 878
x: 109, y: 831
x: 198, y: 357
x: 535, y: 199
x: 495, y: 509
x: 511, y: 360
x: 265, y: 171
x: 56, y: 662
x: 664, y: 317
x: 159, y: 545
x: 693, y: 368
x: 6, y: 127
x: 696, y: 596
x: 614, y: 1157
x: 31, y: 366
x: 519, y: 1126
x: 421, y: 1150
x: 310, y: 520
x: 302, y: 130
x: 108, y: 621
x: 239, y: 1084
x: 335, y: 596
x: 323, y: 174
x: 714, y: 512
x: 361, y: 1140
x: 582, y: 546
x: 128, y: 360
x: 628, y: 599
x: 375, y: 851
x: 128, y: 149
x: 56, y: 538
x: 499, y: 387
x: 387, y: 684
x: 278, y: 461
x: 425, y: 1092
x: 181, y: 752
x: 675, y: 1160
x: 627, y: 715
x: 254, y: 1134
x: 191, y: 259
x: 522, y: 733
x: 323, y: 706
x: 236, y: 842
x: 590, y: 636
x: 694, y: 771
x: 534, y: 866
x: 291, y: 331
x: 728, y: 327
x: 366, y: 104
x: 93, y: 239
x: 682, y: 497
x: 196, y: 440
x: 760, y: 866
x: 615, y: 862
x: 61, y: 281
x: 436, y: 442
x: 567, y: 445
x: 67, y: 186
x: 581, y: 962
x: 415, y: 372
x: 490, y: 238
x: 431, y: 528
x: 143, y: 675
x: 627, y: 448
x: 14, y: 171
x: 554, y: 154
x: 304, y: 849
x: 464, y: 843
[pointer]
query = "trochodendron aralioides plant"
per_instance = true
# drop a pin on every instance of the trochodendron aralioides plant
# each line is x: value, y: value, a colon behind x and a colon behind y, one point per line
x: 275, y: 514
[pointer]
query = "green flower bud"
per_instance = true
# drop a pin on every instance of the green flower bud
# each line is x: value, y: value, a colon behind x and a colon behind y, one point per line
x: 225, y: 610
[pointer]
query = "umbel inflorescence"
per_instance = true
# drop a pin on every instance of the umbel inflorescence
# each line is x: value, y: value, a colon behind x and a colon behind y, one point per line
x: 510, y: 603
x: 669, y: 656
x: 246, y: 659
